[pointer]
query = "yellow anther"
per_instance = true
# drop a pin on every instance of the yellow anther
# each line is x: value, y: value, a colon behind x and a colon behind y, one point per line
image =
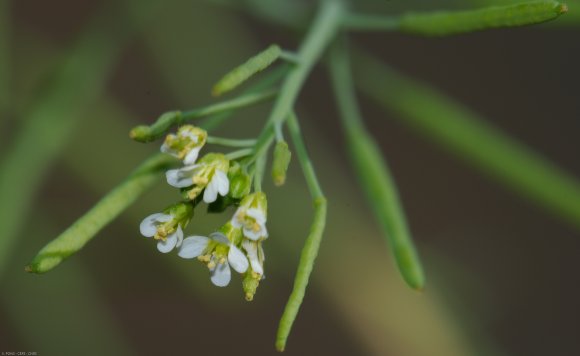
x: 256, y: 227
x: 204, y: 258
x: 192, y: 194
x: 200, y: 180
x: 211, y: 265
x: 222, y: 260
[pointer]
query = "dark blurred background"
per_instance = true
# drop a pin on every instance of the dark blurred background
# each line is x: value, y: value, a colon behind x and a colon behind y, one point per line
x: 501, y: 271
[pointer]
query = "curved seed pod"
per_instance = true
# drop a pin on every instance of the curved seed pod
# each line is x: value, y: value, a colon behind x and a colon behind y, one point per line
x: 373, y: 173
x: 453, y: 22
x: 252, y: 66
x: 381, y: 192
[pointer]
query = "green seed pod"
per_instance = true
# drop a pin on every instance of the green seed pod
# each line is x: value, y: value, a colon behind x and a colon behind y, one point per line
x: 282, y: 156
x: 381, y: 191
x: 252, y: 66
x: 452, y: 22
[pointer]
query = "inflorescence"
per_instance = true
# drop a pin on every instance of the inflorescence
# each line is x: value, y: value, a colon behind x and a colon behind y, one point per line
x: 219, y: 182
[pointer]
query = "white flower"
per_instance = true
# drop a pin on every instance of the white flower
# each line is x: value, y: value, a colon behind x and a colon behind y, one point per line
x: 210, y: 174
x: 159, y: 226
x: 220, y: 254
x: 251, y: 216
x: 186, y: 144
x: 255, y: 254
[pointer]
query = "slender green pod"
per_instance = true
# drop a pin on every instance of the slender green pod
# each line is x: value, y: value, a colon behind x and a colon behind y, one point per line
x: 373, y: 173
x: 49, y: 120
x: 453, y: 22
x: 113, y: 204
x: 381, y: 192
x: 466, y: 134
x: 243, y: 72
x: 312, y: 244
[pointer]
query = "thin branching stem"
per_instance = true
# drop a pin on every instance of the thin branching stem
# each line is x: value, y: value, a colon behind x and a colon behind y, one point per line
x: 231, y: 142
x: 323, y: 30
x: 150, y: 133
x: 239, y: 153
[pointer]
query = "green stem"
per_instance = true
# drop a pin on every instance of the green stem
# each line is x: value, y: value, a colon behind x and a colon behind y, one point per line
x: 266, y: 82
x: 290, y: 57
x: 113, y: 204
x: 312, y: 244
x: 469, y: 136
x: 322, y: 31
x: 374, y: 174
x: 145, y: 133
x: 360, y: 22
x: 239, y: 153
x: 230, y: 142
x: 258, y: 172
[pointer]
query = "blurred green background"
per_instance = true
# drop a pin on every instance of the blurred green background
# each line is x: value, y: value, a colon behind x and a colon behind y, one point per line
x: 76, y: 76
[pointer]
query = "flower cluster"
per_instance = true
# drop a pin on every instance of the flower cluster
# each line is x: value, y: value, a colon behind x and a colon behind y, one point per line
x: 217, y: 181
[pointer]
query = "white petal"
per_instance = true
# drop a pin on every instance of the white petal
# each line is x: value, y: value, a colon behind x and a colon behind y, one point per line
x: 257, y: 214
x: 191, y: 156
x: 261, y: 255
x: 221, y: 274
x: 219, y: 237
x: 252, y: 251
x: 179, y: 234
x: 237, y: 259
x: 148, y: 226
x: 180, y: 178
x: 210, y: 193
x: 193, y: 246
x: 264, y: 232
x: 166, y: 149
x: 235, y: 221
x: 222, y: 182
x: 168, y: 244
x: 252, y: 235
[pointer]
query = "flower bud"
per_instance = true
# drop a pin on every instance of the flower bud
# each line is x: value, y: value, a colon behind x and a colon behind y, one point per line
x: 240, y: 181
x: 250, y: 284
x: 280, y: 163
x: 186, y: 144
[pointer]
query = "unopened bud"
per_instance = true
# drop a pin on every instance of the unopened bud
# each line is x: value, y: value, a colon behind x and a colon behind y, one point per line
x: 280, y: 164
x: 240, y: 181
